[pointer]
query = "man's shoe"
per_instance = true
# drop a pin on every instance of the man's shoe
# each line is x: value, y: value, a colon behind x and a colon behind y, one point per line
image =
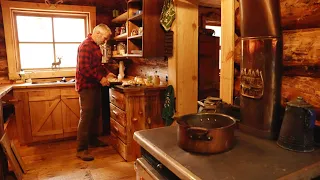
x: 97, y: 143
x: 84, y: 155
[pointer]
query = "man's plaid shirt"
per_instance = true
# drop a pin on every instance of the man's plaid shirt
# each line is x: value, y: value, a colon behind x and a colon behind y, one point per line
x: 89, y: 70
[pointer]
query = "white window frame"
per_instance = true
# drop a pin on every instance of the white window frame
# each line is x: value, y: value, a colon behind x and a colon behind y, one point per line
x: 9, y: 8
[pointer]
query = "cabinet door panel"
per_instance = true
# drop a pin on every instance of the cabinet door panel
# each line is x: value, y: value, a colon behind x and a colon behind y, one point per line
x: 136, y: 117
x: 70, y: 111
x: 45, y: 114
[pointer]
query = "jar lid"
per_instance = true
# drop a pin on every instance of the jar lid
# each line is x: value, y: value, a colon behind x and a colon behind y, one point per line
x: 299, y: 102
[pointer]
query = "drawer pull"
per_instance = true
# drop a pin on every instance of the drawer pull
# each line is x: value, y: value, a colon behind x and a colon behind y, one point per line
x: 140, y: 112
x: 115, y: 112
x: 114, y: 97
x: 135, y: 119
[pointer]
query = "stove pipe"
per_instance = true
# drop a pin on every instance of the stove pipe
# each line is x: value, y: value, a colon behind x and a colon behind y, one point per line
x: 261, y: 67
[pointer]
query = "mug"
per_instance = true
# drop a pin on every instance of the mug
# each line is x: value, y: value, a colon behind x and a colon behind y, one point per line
x: 134, y: 32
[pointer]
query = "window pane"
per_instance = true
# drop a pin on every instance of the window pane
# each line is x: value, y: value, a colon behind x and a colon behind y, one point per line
x: 36, y: 55
x: 34, y: 29
x: 69, y: 29
x: 68, y: 52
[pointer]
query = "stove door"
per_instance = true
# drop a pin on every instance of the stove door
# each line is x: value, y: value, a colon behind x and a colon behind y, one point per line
x: 144, y: 171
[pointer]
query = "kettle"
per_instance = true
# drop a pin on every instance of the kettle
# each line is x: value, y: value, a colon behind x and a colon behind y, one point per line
x: 296, y: 132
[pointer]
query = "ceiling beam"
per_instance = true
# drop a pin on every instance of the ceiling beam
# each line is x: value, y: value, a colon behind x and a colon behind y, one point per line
x: 210, y: 3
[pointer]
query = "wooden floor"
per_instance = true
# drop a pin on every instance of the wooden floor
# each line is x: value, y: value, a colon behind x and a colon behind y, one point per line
x: 57, y: 161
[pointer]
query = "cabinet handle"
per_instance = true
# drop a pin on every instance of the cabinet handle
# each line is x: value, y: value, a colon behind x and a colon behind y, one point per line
x: 114, y: 112
x: 117, y: 130
x: 140, y: 112
x: 114, y: 97
x: 134, y: 119
x: 149, y: 121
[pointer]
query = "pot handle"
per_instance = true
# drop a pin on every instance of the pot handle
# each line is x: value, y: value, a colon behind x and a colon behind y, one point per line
x: 198, y: 133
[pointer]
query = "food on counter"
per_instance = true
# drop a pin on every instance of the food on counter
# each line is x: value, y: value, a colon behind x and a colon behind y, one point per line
x: 113, y: 79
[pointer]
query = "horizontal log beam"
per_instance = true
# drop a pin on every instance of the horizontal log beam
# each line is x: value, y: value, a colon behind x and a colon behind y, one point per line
x: 298, y: 14
x: 300, y: 48
x: 292, y: 87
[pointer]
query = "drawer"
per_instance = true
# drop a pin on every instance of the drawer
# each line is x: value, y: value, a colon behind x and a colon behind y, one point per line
x: 118, y: 130
x: 118, y: 115
x: 44, y: 95
x: 69, y: 93
x: 118, y: 99
x: 145, y: 171
x: 119, y: 146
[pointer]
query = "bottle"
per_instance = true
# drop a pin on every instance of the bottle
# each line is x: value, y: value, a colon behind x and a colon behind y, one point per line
x: 261, y: 68
x: 156, y: 79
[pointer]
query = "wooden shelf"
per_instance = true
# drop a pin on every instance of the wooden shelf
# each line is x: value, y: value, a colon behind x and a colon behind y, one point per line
x: 120, y: 56
x: 121, y: 37
x: 134, y: 55
x: 135, y: 37
x: 130, y: 1
x: 136, y: 17
x: 121, y: 18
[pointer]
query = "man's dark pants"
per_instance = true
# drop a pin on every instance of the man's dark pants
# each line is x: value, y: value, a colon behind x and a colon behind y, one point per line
x: 90, y: 100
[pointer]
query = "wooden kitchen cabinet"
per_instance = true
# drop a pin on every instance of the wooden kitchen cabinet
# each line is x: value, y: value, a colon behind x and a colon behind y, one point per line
x: 45, y: 114
x: 150, y: 43
x: 131, y: 110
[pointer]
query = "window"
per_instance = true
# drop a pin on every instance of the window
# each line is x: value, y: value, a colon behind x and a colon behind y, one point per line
x: 37, y: 36
x: 44, y: 40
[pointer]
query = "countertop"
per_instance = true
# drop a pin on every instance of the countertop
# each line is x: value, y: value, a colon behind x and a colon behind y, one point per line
x: 138, y: 88
x: 6, y: 88
x: 251, y: 158
x: 42, y: 85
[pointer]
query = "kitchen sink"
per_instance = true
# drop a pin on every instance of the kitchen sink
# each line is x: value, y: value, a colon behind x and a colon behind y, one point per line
x: 48, y: 82
x: 51, y: 82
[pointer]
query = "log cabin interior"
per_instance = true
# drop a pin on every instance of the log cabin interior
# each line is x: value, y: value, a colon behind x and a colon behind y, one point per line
x: 41, y: 110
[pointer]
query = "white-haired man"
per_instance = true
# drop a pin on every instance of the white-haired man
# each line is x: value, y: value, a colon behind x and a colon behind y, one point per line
x: 90, y: 75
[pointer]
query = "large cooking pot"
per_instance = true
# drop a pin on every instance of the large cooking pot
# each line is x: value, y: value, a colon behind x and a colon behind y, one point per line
x: 206, y: 132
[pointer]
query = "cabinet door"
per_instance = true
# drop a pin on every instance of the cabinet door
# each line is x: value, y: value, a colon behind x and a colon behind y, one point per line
x: 70, y: 111
x: 45, y: 114
x: 136, y: 118
x: 153, y: 108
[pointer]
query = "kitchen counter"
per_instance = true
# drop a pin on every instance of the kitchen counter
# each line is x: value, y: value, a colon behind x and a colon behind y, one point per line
x: 42, y: 85
x: 138, y: 88
x: 5, y: 89
x: 251, y: 158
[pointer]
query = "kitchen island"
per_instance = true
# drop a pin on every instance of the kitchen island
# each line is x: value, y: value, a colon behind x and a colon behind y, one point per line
x: 250, y: 158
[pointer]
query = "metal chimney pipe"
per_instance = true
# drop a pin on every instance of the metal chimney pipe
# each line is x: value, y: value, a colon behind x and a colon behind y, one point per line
x: 261, y: 67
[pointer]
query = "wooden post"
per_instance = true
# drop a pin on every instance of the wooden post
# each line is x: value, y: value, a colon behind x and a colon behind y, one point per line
x: 227, y: 50
x: 183, y: 65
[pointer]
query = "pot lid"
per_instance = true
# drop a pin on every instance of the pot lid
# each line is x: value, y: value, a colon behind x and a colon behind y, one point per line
x: 299, y: 102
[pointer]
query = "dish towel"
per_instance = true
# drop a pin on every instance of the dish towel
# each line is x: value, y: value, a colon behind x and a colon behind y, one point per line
x: 167, y: 15
x: 168, y: 108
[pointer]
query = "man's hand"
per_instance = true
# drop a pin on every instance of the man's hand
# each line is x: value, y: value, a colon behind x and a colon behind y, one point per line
x: 104, y: 81
x: 111, y: 75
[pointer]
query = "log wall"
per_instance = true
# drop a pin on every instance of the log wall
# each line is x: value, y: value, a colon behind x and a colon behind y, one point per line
x: 301, y: 51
